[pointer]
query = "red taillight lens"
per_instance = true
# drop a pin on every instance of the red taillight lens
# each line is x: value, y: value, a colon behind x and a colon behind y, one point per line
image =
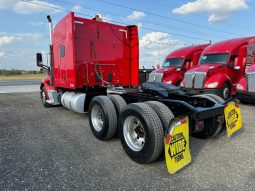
x: 168, y: 139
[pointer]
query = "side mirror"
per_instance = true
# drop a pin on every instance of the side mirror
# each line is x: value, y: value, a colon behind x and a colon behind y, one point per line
x: 236, y: 61
x: 187, y: 65
x: 39, y: 61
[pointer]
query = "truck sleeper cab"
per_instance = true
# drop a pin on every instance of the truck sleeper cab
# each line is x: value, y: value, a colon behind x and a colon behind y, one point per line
x: 221, y: 66
x: 176, y: 64
x: 84, y: 54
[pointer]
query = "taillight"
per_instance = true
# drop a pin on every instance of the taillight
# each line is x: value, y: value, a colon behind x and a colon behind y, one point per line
x: 168, y: 139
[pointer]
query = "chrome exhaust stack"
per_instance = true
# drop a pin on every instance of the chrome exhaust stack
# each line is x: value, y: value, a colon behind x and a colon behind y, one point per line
x: 50, y: 28
x: 50, y: 49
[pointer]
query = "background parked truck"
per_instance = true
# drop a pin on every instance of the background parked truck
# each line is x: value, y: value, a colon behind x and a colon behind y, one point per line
x: 176, y: 64
x: 220, y: 68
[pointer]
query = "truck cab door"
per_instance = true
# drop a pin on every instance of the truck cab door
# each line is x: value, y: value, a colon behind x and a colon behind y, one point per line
x: 233, y: 69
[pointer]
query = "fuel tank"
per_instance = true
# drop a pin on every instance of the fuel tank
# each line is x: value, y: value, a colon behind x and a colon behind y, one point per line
x: 73, y: 101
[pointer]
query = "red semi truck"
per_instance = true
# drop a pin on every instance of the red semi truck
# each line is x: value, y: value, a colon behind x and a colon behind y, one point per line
x: 92, y: 66
x: 246, y: 86
x: 176, y: 64
x: 221, y: 66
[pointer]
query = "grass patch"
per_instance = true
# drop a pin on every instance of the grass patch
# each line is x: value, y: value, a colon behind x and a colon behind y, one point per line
x: 23, y: 77
x: 3, y: 98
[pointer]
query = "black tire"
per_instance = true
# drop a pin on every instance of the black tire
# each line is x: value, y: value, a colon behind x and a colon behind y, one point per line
x: 212, y: 97
x: 225, y: 88
x: 216, y: 98
x: 152, y: 131
x: 178, y: 84
x: 216, y: 126
x: 43, y: 97
x: 164, y: 113
x: 106, y: 113
x: 118, y: 102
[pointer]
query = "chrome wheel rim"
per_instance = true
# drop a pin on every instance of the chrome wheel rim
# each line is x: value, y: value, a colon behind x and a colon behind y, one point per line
x: 97, y: 118
x: 134, y: 133
x: 226, y: 93
x: 43, y: 95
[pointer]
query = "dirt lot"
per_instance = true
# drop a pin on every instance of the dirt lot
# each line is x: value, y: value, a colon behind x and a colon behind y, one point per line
x: 23, y: 77
x: 54, y: 149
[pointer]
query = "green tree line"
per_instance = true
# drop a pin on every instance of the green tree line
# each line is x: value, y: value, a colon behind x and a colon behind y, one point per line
x: 18, y: 72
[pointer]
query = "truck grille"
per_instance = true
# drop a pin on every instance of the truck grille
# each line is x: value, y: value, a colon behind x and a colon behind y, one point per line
x: 199, y: 79
x: 251, y: 82
x: 194, y: 79
x: 155, y: 77
x: 189, y: 79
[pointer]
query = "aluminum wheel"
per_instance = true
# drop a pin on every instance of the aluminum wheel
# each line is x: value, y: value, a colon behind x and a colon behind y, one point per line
x: 97, y: 118
x: 43, y: 96
x: 134, y: 134
x: 226, y: 93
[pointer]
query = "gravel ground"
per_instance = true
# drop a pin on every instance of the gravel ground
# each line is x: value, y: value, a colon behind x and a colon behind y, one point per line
x: 54, y: 149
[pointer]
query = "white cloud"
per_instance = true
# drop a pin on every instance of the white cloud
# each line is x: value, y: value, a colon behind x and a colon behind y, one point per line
x: 2, y: 54
x: 136, y: 15
x: 30, y: 36
x: 29, y: 7
x: 76, y: 8
x: 6, y: 40
x: 154, y: 47
x: 220, y: 10
x: 10, y: 56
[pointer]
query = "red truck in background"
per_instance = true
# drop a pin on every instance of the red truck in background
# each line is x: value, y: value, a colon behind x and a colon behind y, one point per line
x: 86, y: 54
x: 176, y: 64
x: 246, y: 86
x: 221, y: 66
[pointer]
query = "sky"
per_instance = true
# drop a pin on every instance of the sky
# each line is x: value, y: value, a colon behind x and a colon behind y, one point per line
x: 164, y: 25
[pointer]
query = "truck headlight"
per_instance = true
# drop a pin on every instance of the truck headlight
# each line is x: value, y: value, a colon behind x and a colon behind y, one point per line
x: 212, y: 85
x: 169, y: 82
x: 239, y: 87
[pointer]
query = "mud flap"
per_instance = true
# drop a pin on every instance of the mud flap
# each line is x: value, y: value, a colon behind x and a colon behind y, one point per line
x: 233, y: 118
x: 177, y: 151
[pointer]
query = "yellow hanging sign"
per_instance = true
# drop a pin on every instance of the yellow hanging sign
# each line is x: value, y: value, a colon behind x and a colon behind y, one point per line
x: 177, y: 152
x: 233, y: 118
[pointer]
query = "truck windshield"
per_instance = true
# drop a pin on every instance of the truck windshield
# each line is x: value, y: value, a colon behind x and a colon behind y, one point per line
x: 173, y: 62
x: 214, y: 58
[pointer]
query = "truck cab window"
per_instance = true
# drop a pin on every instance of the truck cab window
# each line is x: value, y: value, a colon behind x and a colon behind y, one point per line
x: 232, y: 60
x: 62, y: 50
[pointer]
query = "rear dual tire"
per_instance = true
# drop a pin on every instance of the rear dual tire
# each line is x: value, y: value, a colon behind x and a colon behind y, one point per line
x: 103, y: 114
x: 140, y: 125
x: 102, y: 118
x: 141, y: 133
